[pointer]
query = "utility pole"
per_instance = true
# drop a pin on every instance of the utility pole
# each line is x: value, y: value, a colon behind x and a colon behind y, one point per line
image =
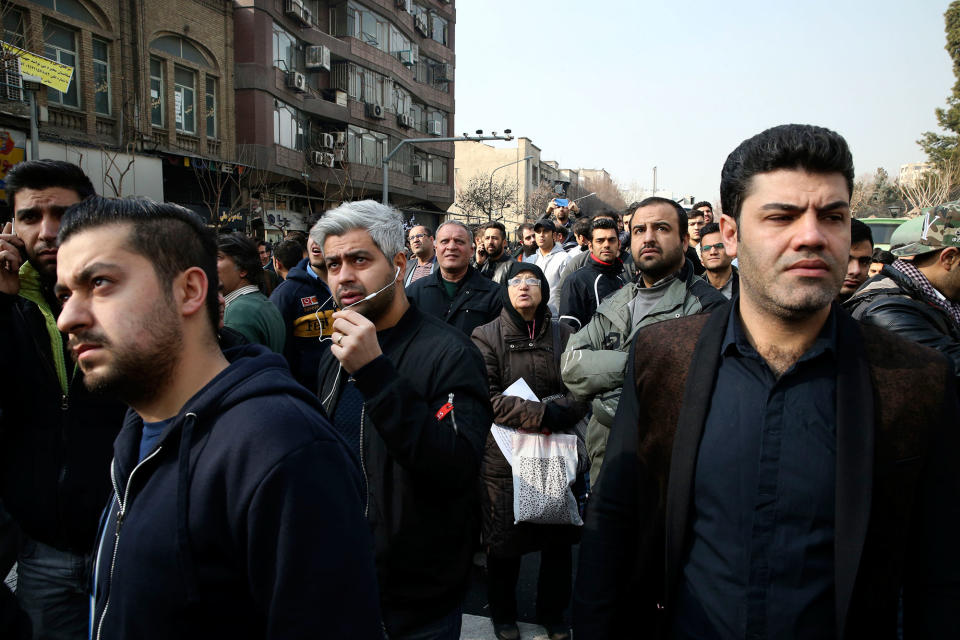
x: 654, y: 182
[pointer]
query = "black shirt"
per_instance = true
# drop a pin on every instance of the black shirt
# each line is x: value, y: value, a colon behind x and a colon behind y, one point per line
x: 761, y: 564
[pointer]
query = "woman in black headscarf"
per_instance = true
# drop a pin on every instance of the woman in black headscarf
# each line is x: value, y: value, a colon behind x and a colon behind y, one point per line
x: 525, y: 342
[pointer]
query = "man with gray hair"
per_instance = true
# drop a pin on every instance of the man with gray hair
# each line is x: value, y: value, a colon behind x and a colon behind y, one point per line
x: 409, y: 394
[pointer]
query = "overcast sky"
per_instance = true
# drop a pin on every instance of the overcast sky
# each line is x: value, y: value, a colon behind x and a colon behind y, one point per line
x: 627, y: 84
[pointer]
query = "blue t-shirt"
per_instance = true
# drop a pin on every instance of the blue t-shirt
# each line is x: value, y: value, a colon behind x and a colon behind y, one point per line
x: 150, y: 436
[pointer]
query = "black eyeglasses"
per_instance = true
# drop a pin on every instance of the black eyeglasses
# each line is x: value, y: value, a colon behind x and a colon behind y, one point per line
x: 706, y: 247
x: 417, y: 236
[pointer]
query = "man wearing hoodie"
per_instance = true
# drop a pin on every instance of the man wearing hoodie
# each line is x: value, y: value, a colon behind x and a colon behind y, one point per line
x: 306, y: 305
x: 55, y: 437
x: 409, y: 393
x: 551, y: 258
x: 237, y: 511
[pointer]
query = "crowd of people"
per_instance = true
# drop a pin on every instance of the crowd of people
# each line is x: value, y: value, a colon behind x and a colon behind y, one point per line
x: 204, y: 436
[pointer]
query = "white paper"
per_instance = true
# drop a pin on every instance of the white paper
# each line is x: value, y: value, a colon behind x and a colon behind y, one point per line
x: 502, y: 435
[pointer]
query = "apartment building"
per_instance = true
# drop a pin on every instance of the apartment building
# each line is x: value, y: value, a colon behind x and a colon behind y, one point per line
x: 258, y: 114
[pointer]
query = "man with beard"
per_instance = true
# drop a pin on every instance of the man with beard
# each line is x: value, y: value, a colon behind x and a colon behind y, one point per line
x: 421, y: 246
x: 498, y: 258
x: 777, y: 469
x: 409, y: 394
x: 584, y: 289
x: 595, y: 359
x: 528, y: 240
x: 55, y: 437
x: 707, y: 209
x: 237, y: 511
x: 861, y: 256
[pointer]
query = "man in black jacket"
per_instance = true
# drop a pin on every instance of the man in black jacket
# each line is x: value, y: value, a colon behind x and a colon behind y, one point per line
x: 55, y: 437
x: 306, y: 305
x: 920, y: 298
x: 237, y: 511
x: 584, y: 289
x: 498, y: 260
x: 410, y: 395
x: 456, y: 292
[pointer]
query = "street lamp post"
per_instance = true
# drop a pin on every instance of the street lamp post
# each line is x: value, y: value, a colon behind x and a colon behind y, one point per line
x: 490, y: 210
x: 387, y: 158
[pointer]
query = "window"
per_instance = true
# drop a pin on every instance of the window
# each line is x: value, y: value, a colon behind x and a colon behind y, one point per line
x: 11, y: 85
x: 417, y: 114
x: 60, y: 44
x: 438, y: 29
x: 184, y: 99
x: 71, y: 8
x: 401, y: 100
x: 287, y: 126
x: 211, y: 107
x: 180, y: 48
x: 157, y: 102
x: 365, y: 147
x: 101, y: 76
x: 285, y: 49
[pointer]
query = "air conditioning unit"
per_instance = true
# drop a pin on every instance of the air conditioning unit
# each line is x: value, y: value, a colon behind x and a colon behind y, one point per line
x: 375, y: 111
x: 318, y: 57
x: 296, y: 81
x: 420, y: 25
x: 340, y: 97
x: 340, y: 155
x: 294, y: 9
x: 404, y: 120
x: 326, y: 140
x: 443, y: 72
x: 435, y: 128
x: 406, y: 57
x: 340, y: 137
x: 401, y: 4
x: 306, y: 17
x: 322, y: 159
x: 415, y: 171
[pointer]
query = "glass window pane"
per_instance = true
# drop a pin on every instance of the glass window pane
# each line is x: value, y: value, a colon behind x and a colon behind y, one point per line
x: 75, y: 10
x: 193, y: 54
x: 156, y: 92
x: 167, y: 44
x: 183, y: 77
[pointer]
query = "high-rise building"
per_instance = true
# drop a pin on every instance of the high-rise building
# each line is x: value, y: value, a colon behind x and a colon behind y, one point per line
x: 258, y: 114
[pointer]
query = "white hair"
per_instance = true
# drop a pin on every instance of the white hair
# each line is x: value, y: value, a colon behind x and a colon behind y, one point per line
x: 382, y: 222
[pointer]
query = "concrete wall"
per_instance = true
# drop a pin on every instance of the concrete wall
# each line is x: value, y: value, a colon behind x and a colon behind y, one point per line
x: 145, y: 177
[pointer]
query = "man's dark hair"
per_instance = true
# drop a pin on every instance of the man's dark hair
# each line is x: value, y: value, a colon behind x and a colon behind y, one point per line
x: 703, y: 203
x: 264, y: 243
x: 430, y: 232
x: 43, y: 174
x: 707, y: 229
x: 883, y: 257
x: 288, y: 253
x: 694, y: 213
x: 789, y: 146
x: 681, y: 212
x: 525, y: 225
x: 602, y: 223
x: 583, y: 227
x: 859, y: 232
x: 606, y: 213
x: 171, y: 238
x: 496, y: 225
x: 631, y: 208
x: 243, y: 252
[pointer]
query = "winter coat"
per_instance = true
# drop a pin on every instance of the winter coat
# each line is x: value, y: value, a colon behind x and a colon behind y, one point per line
x: 893, y: 301
x: 56, y: 438
x: 510, y: 354
x: 245, y: 520
x: 496, y: 269
x: 259, y: 321
x: 595, y: 359
x: 421, y: 462
x: 584, y: 290
x: 306, y: 306
x: 476, y: 302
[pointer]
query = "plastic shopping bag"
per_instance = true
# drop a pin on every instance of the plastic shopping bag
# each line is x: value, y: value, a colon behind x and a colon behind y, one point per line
x: 544, y: 467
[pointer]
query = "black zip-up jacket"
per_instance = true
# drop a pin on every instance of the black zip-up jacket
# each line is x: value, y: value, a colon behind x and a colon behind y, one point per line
x: 421, y: 463
x: 55, y: 447
x: 893, y: 301
x: 306, y: 306
x: 584, y: 289
x: 245, y: 520
x: 476, y: 302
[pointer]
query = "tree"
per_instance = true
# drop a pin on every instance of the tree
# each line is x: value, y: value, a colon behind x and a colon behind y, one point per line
x: 478, y: 199
x: 941, y: 148
x: 932, y: 187
x: 608, y: 196
x: 873, y: 194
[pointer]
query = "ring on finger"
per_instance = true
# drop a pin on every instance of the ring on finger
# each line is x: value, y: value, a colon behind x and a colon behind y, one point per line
x: 340, y: 340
